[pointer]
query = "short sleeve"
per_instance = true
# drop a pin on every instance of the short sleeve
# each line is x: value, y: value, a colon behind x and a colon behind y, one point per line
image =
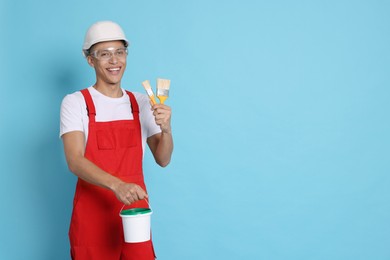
x: 71, y: 116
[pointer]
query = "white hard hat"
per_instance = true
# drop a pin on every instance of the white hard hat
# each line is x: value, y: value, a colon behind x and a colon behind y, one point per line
x: 102, y: 32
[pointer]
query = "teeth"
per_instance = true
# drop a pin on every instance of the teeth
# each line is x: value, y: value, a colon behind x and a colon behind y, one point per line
x: 114, y: 69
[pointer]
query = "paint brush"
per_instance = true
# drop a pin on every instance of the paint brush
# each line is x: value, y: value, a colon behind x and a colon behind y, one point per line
x: 163, y: 89
x: 149, y: 91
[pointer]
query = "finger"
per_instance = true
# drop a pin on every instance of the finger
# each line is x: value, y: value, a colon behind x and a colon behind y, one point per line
x: 133, y: 198
x: 141, y: 194
x: 127, y: 201
x: 166, y: 116
x: 129, y: 197
x: 162, y: 114
x: 160, y: 117
x: 138, y: 193
x: 162, y: 121
x: 161, y: 107
x: 156, y: 106
x: 160, y: 111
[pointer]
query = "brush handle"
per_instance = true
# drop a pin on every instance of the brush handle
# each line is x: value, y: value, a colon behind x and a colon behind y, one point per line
x: 153, y: 99
x: 162, y: 99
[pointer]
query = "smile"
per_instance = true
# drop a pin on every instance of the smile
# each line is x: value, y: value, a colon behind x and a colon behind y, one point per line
x: 114, y: 69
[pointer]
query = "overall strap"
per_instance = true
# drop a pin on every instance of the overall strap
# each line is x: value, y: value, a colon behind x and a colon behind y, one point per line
x: 134, y: 105
x: 90, y: 106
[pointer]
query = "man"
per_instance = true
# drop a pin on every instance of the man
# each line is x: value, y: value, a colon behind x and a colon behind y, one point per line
x: 104, y: 130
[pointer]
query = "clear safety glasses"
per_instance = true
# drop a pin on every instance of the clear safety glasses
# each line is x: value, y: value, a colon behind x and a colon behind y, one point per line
x: 108, y: 53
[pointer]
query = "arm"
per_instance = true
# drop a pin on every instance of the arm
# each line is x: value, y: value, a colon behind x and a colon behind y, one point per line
x: 74, y: 148
x: 161, y: 144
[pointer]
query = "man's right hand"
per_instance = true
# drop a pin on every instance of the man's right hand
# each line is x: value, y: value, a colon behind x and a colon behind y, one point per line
x: 128, y: 193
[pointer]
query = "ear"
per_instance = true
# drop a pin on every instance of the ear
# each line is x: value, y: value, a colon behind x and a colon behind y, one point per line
x: 91, y: 61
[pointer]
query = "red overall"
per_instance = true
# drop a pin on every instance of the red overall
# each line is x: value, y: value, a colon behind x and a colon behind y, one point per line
x: 96, y: 231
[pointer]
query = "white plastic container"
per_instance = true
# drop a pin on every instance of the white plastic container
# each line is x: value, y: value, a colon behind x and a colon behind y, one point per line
x: 136, y: 224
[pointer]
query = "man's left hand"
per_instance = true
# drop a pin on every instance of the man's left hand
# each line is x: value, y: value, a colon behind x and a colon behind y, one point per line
x: 162, y: 116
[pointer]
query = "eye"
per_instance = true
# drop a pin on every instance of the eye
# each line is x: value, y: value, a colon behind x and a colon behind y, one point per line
x: 104, y: 54
x: 120, y: 53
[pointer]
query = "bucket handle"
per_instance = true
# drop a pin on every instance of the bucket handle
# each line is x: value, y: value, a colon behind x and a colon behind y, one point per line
x: 125, y: 205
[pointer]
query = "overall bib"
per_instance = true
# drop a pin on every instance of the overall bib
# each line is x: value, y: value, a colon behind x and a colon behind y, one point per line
x: 96, y: 231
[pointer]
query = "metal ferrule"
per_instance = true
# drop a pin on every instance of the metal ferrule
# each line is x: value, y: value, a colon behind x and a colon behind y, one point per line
x: 162, y: 92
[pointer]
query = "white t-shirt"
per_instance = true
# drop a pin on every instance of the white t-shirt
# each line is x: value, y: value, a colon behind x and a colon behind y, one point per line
x: 74, y: 116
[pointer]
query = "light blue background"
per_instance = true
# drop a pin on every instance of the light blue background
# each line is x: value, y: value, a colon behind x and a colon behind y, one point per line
x: 280, y: 116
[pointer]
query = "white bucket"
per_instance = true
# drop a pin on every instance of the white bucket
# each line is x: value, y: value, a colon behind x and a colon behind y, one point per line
x: 136, y: 224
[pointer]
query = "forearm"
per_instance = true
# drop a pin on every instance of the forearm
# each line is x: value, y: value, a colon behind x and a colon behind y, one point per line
x: 161, y: 144
x: 164, y: 149
x: 127, y: 193
x: 91, y: 173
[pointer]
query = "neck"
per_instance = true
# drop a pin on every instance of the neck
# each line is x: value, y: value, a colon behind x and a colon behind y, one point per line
x: 109, y: 90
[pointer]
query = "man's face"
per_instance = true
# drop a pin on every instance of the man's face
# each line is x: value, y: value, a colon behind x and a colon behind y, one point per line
x: 109, y: 62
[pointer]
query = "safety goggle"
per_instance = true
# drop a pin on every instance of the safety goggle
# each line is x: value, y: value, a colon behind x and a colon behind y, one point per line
x: 107, y: 54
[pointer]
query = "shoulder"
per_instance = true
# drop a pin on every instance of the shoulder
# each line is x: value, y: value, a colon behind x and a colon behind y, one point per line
x: 75, y: 98
x: 142, y: 99
x: 73, y: 104
x: 73, y: 115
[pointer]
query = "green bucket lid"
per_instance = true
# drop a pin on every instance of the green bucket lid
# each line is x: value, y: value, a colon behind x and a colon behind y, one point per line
x: 135, y: 211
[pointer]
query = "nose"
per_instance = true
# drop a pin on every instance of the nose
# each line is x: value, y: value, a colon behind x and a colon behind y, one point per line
x: 113, y: 59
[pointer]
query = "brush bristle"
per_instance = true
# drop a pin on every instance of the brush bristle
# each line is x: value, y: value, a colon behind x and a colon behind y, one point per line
x: 163, y: 83
x: 146, y: 84
x: 149, y: 91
